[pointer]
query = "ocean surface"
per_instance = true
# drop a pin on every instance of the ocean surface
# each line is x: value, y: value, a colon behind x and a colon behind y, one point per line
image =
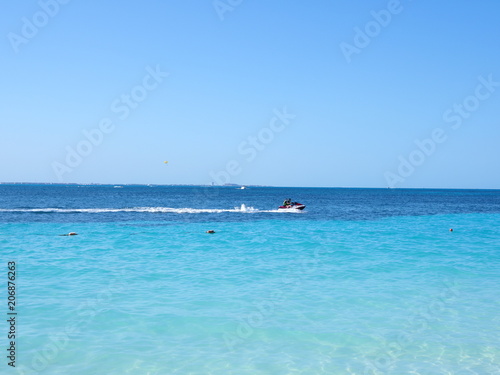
x: 363, y: 281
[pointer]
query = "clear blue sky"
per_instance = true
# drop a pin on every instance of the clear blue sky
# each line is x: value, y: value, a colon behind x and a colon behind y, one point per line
x: 357, y: 114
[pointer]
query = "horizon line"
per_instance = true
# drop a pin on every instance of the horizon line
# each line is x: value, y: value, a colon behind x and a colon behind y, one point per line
x: 249, y: 185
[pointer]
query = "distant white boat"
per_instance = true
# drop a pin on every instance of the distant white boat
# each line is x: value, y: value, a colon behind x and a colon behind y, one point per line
x: 243, y: 187
x: 117, y: 187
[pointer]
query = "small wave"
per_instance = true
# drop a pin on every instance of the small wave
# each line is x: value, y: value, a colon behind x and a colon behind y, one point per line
x: 241, y: 209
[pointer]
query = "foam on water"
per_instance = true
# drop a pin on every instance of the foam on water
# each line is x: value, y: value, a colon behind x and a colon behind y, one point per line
x: 185, y: 210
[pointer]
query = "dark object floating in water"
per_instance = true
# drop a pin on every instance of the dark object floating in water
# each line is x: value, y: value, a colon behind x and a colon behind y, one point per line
x: 70, y: 234
x: 210, y: 231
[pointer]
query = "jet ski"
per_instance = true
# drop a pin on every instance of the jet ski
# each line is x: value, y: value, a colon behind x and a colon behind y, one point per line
x: 292, y: 206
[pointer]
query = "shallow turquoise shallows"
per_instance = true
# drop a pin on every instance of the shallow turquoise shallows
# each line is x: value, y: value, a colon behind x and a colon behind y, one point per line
x: 364, y: 281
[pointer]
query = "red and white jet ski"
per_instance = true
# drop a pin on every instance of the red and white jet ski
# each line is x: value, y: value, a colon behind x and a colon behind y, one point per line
x: 293, y: 206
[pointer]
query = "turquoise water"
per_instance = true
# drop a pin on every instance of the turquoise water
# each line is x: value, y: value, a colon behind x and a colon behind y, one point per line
x: 147, y: 291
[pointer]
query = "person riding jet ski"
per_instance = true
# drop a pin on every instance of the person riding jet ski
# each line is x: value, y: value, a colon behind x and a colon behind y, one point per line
x: 289, y: 205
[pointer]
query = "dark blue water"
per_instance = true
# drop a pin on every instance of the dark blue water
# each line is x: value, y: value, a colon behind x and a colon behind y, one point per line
x: 29, y: 203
